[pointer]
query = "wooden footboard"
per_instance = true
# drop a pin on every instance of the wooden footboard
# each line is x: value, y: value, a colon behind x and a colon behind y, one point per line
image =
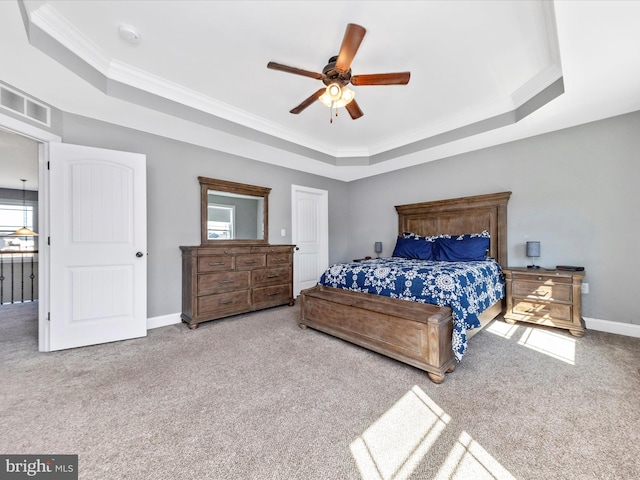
x: 414, y: 333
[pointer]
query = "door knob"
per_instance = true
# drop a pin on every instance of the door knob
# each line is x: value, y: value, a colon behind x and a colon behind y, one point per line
x: 139, y: 254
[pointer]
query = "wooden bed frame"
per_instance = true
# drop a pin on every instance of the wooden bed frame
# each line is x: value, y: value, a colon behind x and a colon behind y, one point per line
x: 414, y: 333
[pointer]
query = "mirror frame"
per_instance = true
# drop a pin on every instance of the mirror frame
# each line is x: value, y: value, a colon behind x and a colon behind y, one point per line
x: 207, y: 184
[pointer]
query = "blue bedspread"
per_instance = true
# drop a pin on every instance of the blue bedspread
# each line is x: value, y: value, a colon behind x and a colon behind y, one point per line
x: 468, y: 288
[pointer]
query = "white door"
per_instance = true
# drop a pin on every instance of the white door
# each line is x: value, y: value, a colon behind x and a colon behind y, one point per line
x: 98, y: 238
x: 310, y: 234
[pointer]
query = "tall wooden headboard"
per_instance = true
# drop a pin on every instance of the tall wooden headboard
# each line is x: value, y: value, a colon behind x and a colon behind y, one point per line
x: 458, y: 216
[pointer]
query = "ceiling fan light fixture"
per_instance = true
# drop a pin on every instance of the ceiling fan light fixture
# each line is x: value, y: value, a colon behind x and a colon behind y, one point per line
x: 336, y: 96
x: 347, y: 95
x: 334, y: 92
x: 336, y: 75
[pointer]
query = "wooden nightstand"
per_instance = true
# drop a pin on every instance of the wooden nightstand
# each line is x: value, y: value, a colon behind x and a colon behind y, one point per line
x: 545, y: 297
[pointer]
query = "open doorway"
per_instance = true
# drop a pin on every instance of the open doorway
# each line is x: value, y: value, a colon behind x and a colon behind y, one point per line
x: 19, y: 258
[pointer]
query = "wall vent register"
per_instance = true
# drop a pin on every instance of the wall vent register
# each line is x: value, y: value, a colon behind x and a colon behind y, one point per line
x: 24, y: 106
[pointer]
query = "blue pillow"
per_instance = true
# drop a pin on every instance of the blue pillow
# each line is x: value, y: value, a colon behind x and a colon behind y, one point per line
x: 465, y: 248
x: 413, y: 248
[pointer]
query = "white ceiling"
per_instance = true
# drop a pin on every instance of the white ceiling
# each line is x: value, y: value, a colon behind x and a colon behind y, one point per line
x: 474, y: 66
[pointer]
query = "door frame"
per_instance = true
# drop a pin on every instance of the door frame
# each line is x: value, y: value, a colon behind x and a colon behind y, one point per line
x: 43, y: 137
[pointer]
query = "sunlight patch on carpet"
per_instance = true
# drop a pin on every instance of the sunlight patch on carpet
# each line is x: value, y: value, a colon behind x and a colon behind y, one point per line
x: 555, y: 345
x: 393, y: 446
x: 501, y: 329
x: 468, y: 460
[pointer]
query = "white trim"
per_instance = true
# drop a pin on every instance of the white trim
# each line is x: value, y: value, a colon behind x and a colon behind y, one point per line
x: 60, y: 29
x: 627, y: 329
x: 27, y: 130
x: 44, y: 138
x: 43, y: 247
x: 163, y: 321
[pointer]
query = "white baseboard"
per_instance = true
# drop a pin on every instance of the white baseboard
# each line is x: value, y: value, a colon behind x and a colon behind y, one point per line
x: 627, y: 329
x: 163, y: 321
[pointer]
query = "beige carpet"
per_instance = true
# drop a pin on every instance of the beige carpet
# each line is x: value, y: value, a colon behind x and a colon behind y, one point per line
x: 255, y: 397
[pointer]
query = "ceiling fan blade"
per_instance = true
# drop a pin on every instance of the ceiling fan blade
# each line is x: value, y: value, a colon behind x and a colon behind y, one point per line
x: 354, y: 109
x: 296, y: 71
x: 400, y: 78
x: 350, y: 43
x: 307, y: 102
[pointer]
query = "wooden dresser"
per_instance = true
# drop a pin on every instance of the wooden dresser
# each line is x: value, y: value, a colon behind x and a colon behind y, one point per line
x: 545, y: 297
x: 219, y: 281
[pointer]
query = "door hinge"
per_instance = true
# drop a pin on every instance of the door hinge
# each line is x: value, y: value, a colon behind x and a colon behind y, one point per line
x: 48, y: 165
x: 48, y: 316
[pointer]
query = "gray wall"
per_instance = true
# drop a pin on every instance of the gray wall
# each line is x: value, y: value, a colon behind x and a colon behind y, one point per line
x: 575, y: 190
x: 173, y: 198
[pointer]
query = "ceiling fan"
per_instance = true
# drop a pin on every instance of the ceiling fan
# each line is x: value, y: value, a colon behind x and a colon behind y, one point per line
x: 336, y: 75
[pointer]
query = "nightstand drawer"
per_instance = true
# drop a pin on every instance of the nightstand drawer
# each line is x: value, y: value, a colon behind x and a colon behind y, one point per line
x: 542, y: 291
x: 555, y: 311
x: 541, y: 278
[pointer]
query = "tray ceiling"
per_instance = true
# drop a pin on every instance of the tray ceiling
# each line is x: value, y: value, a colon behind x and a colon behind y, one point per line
x: 482, y: 73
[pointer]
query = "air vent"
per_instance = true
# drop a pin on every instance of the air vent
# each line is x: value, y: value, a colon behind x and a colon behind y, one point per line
x: 24, y: 106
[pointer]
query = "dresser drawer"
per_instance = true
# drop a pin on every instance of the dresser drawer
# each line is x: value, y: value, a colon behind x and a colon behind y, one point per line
x: 276, y: 295
x: 223, y: 304
x: 249, y: 262
x: 543, y: 291
x: 222, y: 282
x: 215, y: 263
x: 275, y: 259
x: 555, y: 311
x: 271, y: 276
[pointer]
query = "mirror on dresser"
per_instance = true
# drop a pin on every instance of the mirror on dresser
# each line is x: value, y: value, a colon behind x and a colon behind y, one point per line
x: 233, y: 212
x: 234, y: 270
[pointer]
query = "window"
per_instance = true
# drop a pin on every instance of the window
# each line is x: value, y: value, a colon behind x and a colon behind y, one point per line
x: 220, y: 221
x: 12, y: 217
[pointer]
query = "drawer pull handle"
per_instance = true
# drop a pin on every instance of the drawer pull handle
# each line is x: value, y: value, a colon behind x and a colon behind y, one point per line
x: 273, y: 294
x: 542, y: 293
x: 539, y: 278
x: 225, y: 281
x: 225, y: 302
x: 273, y: 276
x: 212, y: 264
x: 250, y: 262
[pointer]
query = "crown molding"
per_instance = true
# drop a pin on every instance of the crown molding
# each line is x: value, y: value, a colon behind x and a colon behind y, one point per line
x: 116, y: 74
x: 47, y: 19
x: 52, y: 23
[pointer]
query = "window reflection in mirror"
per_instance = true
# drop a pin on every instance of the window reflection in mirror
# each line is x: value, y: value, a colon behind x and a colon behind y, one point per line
x: 233, y: 216
x: 233, y: 212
